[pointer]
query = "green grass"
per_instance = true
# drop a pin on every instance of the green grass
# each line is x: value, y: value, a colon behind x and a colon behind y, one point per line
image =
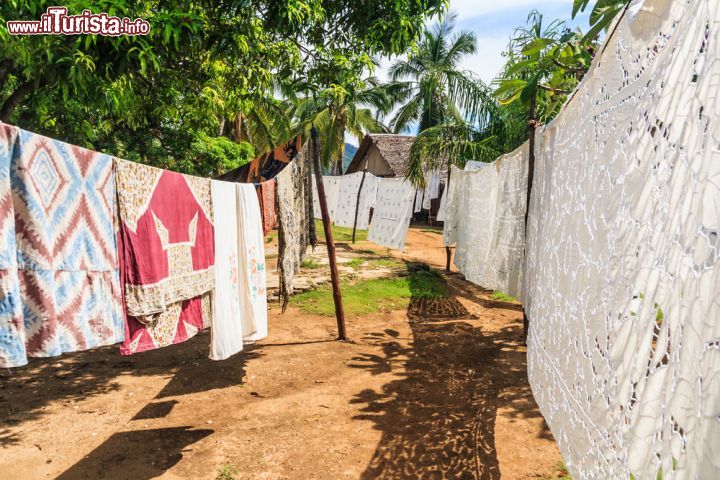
x: 369, y: 296
x: 354, y: 263
x: 340, y: 234
x: 387, y: 262
x: 502, y: 297
x: 310, y: 263
x: 432, y: 230
x: 227, y: 473
x: 562, y: 470
x: 271, y: 236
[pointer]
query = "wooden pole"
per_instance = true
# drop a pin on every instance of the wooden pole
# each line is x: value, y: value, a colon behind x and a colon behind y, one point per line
x: 532, y: 126
x: 357, y: 202
x: 334, y: 278
x: 448, y: 251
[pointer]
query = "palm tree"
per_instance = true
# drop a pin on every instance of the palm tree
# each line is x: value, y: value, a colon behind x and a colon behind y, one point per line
x: 338, y: 109
x: 429, y: 85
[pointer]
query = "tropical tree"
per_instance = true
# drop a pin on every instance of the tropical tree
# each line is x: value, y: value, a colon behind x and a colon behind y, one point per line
x: 429, y: 86
x: 338, y: 109
x: 544, y: 64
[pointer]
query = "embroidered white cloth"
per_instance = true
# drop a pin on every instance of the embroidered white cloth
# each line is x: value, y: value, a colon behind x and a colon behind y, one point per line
x: 473, y: 165
x: 473, y: 212
x: 251, y: 255
x: 348, y: 200
x: 226, y: 335
x: 332, y: 194
x: 393, y: 210
x: 623, y: 281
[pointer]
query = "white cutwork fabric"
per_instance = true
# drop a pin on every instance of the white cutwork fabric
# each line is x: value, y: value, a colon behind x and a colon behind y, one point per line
x: 393, y: 210
x: 348, y: 200
x: 473, y: 165
x: 622, y: 278
x: 473, y: 209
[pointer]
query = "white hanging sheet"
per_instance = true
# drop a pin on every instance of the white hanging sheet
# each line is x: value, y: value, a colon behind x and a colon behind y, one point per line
x: 393, y: 210
x: 348, y: 200
x: 251, y: 254
x: 622, y: 276
x: 226, y: 335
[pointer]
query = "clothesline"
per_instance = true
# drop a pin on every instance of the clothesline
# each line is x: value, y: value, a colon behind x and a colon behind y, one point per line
x: 99, y: 251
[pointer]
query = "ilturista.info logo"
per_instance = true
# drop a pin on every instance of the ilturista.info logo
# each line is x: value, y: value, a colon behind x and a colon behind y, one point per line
x: 56, y: 21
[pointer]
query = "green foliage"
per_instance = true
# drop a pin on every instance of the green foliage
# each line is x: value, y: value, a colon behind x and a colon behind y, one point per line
x: 602, y: 14
x: 370, y: 296
x: 544, y: 64
x: 429, y: 86
x: 220, y: 151
x: 207, y: 67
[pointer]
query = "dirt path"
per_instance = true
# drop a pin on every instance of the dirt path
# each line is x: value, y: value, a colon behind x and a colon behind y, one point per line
x: 437, y: 391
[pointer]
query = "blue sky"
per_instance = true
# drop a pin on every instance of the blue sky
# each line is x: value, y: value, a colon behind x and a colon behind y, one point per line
x: 493, y: 22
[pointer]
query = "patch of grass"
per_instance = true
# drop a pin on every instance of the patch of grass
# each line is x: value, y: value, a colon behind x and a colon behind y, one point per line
x: 387, y: 262
x: 227, y: 473
x: 563, y: 471
x: 432, y: 230
x: 340, y: 234
x: 354, y: 263
x: 310, y: 263
x: 369, y: 296
x: 271, y: 236
x: 502, y: 297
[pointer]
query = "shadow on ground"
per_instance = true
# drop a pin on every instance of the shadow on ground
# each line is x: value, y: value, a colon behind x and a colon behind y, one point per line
x: 438, y: 417
x: 27, y: 391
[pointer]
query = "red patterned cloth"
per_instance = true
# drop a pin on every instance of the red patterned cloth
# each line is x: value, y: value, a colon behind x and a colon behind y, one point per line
x: 167, y: 255
x: 266, y: 197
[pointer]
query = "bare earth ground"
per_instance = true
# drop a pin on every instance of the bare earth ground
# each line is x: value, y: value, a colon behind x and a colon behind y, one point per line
x: 435, y: 391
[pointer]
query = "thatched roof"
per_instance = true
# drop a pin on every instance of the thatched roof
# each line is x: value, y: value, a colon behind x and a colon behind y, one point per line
x: 395, y: 149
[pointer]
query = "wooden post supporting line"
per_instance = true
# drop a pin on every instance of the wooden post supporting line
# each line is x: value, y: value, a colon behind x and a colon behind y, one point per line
x: 448, y: 251
x: 357, y: 202
x: 532, y: 126
x: 335, y: 279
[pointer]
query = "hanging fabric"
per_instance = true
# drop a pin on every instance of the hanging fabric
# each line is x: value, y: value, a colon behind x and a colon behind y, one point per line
x: 418, y: 200
x: 393, y: 211
x: 432, y: 189
x: 473, y: 210
x: 266, y: 197
x: 296, y: 231
x: 168, y: 255
x: 59, y: 272
x: 332, y: 195
x: 226, y: 334
x: 348, y: 200
x: 486, y: 218
x: 251, y: 251
x: 623, y: 263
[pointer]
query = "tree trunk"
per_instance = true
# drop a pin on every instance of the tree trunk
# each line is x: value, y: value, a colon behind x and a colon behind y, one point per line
x: 239, y: 124
x: 14, y: 100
